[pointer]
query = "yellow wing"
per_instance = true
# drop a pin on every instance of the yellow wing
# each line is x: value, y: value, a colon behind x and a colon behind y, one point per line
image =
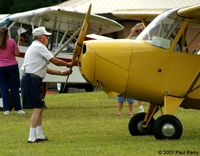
x: 138, y: 14
x: 192, y: 12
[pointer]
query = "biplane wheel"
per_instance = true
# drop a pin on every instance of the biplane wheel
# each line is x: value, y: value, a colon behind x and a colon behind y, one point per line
x: 136, y: 123
x: 167, y: 127
x: 89, y: 88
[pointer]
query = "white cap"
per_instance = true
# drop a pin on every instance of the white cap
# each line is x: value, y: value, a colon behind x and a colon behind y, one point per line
x: 21, y: 31
x: 40, y: 31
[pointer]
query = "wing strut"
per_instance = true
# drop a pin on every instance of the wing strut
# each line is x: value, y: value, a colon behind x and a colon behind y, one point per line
x: 192, y: 88
x: 66, y: 43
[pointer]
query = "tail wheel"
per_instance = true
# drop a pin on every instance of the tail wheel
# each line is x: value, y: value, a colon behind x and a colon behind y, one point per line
x: 136, y: 125
x: 167, y: 127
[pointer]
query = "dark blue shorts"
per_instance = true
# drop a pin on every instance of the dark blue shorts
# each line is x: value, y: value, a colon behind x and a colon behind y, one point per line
x: 122, y: 99
x: 31, y: 90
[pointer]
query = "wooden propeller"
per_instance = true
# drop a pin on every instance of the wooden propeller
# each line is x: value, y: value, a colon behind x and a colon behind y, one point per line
x: 81, y: 38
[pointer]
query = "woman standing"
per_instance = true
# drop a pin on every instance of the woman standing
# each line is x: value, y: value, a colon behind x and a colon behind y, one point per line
x: 9, y: 73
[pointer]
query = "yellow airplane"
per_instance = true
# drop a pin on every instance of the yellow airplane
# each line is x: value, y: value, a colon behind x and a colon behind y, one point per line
x: 161, y: 66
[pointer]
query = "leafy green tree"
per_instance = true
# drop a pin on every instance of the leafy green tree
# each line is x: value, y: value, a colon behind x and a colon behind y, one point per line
x: 5, y: 6
x: 14, y: 6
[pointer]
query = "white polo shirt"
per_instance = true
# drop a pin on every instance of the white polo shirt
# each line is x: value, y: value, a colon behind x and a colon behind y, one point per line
x: 36, y: 58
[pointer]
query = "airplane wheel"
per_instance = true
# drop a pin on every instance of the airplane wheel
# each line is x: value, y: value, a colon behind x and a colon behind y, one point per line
x: 167, y: 127
x: 136, y: 123
x: 89, y: 88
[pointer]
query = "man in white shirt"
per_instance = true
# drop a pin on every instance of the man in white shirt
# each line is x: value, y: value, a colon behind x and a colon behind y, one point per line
x: 35, y: 69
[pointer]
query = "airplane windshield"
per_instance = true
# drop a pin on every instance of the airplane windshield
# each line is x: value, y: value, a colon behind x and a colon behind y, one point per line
x: 161, y: 31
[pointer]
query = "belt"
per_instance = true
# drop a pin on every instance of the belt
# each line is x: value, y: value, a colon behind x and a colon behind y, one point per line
x: 33, y: 75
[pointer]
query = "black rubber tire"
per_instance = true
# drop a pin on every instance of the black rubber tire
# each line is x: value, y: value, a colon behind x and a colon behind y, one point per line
x: 163, y: 120
x: 89, y: 88
x: 135, y: 125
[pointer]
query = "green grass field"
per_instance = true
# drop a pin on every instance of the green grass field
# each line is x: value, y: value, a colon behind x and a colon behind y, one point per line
x: 85, y: 124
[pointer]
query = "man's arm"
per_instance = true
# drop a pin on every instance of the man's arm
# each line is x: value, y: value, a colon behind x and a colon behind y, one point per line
x: 60, y: 62
x: 58, y: 72
x: 17, y: 53
x: 136, y: 30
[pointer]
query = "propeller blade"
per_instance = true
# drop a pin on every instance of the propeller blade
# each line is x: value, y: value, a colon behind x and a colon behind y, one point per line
x: 82, y: 35
x: 80, y: 40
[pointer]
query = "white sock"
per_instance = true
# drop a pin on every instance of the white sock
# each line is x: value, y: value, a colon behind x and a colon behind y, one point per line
x: 32, y: 134
x: 39, y: 132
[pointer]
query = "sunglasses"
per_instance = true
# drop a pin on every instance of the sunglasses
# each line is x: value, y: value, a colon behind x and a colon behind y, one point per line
x: 46, y: 36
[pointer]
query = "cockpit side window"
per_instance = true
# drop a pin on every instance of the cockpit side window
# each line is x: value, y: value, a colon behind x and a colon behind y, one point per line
x: 192, y: 37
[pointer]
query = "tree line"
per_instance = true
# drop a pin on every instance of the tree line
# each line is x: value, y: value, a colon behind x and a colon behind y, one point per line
x: 15, y: 6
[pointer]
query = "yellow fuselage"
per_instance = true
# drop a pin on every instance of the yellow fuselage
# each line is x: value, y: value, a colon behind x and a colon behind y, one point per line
x: 139, y: 70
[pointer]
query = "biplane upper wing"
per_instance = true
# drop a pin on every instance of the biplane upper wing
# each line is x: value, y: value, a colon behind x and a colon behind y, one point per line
x: 66, y: 19
x: 192, y: 12
x: 138, y: 14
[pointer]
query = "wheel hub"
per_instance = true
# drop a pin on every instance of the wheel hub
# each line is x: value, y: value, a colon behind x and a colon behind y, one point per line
x: 168, y: 129
x: 139, y: 126
x: 141, y: 129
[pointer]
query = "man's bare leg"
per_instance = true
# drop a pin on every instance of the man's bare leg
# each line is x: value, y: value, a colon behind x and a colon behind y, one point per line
x: 36, y: 119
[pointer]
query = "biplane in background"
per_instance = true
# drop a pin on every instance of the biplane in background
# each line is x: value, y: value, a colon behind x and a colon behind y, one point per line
x: 161, y: 67
x: 64, y: 23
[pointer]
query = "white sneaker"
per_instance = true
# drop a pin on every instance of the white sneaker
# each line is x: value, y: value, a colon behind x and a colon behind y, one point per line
x: 6, y: 112
x: 140, y: 109
x: 20, y: 112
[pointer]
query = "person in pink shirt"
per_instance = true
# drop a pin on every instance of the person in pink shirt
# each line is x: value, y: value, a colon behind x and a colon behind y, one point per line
x: 9, y: 73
